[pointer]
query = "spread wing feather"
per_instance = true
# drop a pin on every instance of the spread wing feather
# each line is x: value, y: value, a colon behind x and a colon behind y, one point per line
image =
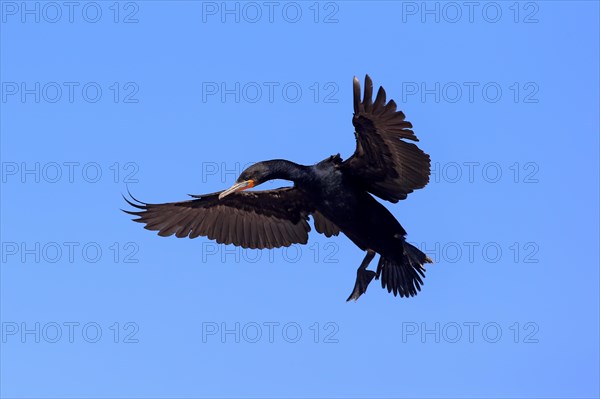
x: 385, y: 164
x: 250, y: 219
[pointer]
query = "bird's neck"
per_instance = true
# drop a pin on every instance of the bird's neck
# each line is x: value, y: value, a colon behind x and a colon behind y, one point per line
x: 286, y: 170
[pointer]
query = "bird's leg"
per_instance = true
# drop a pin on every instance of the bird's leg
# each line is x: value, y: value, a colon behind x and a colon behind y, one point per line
x: 363, y: 276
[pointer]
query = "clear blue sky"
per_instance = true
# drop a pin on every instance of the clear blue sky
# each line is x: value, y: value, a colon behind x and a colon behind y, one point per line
x: 170, y: 99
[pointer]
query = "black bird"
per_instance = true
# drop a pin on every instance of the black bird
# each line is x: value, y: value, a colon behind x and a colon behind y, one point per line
x: 338, y: 194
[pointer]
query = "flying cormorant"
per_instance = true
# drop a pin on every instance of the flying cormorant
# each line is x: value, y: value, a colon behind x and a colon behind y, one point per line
x: 337, y: 193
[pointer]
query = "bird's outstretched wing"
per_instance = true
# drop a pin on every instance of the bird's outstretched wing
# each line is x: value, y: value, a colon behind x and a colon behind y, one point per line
x: 385, y: 164
x: 250, y: 219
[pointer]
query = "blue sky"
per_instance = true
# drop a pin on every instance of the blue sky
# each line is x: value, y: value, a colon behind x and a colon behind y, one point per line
x: 170, y: 99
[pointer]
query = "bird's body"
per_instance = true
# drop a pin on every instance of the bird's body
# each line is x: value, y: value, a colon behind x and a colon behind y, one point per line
x: 338, y: 197
x: 338, y: 194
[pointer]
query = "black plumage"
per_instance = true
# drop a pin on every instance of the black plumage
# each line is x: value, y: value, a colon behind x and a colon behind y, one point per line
x: 337, y: 194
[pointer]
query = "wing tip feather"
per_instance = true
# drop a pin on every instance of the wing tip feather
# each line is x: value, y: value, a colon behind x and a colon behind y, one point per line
x: 356, y: 95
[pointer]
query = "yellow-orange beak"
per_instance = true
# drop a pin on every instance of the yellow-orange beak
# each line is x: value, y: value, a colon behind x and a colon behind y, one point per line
x: 237, y: 187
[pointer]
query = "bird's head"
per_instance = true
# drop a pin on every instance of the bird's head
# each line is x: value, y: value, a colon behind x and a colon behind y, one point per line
x: 251, y: 177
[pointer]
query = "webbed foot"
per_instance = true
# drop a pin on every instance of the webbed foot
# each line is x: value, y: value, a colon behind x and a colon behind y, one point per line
x: 363, y: 277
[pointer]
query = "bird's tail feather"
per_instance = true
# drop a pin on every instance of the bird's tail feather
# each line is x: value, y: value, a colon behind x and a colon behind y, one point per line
x: 403, y: 273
